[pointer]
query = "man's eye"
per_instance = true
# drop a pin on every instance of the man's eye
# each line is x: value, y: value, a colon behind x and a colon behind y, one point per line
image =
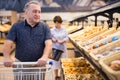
x: 36, y: 11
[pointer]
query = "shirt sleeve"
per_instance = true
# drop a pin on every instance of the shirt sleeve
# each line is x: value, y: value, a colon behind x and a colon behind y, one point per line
x: 66, y: 35
x: 12, y: 33
x: 48, y: 33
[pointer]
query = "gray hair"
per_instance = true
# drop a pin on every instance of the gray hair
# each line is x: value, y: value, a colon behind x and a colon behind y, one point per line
x: 31, y: 2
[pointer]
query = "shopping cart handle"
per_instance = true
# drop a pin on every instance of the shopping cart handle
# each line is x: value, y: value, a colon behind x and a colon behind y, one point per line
x: 48, y: 63
x: 26, y: 63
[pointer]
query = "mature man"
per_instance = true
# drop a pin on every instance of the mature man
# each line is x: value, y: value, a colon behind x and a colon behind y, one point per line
x: 31, y: 36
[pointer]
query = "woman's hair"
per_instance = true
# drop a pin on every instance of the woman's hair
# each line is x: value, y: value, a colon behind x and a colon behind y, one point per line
x: 31, y: 2
x: 57, y: 19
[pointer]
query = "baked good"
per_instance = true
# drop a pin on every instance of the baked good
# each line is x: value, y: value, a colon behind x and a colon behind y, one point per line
x: 115, y: 65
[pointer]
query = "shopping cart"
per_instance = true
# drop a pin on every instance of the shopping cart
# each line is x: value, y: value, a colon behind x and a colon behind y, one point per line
x: 26, y: 71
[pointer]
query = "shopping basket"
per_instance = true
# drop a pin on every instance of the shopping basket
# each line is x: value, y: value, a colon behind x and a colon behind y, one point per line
x: 26, y: 71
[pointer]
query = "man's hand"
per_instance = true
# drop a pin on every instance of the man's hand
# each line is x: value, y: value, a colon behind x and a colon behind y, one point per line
x: 8, y: 62
x: 47, y: 50
x: 41, y: 62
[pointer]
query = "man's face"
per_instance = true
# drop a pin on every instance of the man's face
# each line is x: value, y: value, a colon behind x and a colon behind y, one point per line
x: 33, y: 13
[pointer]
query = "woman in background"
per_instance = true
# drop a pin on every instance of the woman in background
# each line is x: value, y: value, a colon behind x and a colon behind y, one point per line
x: 59, y: 38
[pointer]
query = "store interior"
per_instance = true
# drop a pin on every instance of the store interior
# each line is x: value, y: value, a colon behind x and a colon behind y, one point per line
x: 93, y: 31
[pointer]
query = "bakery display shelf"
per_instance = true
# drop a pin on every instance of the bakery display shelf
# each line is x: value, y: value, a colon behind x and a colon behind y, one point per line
x: 98, y: 37
x: 105, y: 63
x: 86, y: 56
x: 5, y: 27
x: 76, y: 46
x: 72, y: 29
x: 109, y: 39
x: 97, y: 32
x: 100, y: 45
x: 78, y: 69
x: 87, y: 42
x: 84, y: 35
x: 81, y: 50
x: 75, y: 31
x: 106, y: 50
x: 85, y: 53
x: 2, y: 41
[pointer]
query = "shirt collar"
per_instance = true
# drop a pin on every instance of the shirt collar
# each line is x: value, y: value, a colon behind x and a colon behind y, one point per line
x: 58, y: 29
x: 26, y: 24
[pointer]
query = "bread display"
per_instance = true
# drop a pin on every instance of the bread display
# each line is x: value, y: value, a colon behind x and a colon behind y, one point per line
x: 83, y: 32
x: 103, y: 51
x: 99, y: 45
x: 109, y: 52
x: 109, y: 39
x: 5, y: 27
x: 80, y: 77
x: 111, y: 65
x: 83, y: 77
x: 86, y: 33
x: 103, y: 38
x: 93, y: 34
x: 78, y: 69
x: 71, y: 28
x: 115, y: 65
x: 99, y: 37
x: 74, y: 62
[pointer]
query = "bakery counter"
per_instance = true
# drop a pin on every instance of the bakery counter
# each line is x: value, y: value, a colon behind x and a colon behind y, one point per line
x: 72, y: 29
x: 79, y: 69
x: 81, y: 50
x: 96, y: 46
x: 4, y: 28
x: 111, y: 66
x: 87, y: 56
x: 87, y: 33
